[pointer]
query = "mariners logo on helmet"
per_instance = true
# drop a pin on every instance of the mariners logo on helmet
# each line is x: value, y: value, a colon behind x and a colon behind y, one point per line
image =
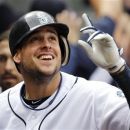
x: 43, y: 20
x: 37, y: 20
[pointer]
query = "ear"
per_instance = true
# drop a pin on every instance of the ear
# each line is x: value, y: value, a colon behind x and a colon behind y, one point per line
x: 17, y: 57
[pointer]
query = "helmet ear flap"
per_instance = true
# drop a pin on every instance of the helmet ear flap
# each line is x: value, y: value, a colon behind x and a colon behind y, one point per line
x: 65, y: 50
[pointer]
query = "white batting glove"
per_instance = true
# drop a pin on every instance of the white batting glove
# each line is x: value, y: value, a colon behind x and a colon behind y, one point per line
x: 101, y: 48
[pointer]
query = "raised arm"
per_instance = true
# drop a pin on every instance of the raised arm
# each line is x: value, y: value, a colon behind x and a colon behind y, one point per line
x: 103, y: 51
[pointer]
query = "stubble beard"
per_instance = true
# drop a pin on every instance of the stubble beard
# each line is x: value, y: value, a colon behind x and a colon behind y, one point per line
x: 38, y: 76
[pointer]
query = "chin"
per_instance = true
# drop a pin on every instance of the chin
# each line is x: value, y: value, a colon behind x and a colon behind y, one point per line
x: 48, y: 72
x: 7, y: 85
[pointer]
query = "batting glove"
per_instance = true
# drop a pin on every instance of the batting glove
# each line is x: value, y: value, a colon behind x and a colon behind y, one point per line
x: 101, y: 48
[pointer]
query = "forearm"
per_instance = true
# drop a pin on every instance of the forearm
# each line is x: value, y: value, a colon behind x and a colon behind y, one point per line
x: 103, y: 51
x: 123, y: 81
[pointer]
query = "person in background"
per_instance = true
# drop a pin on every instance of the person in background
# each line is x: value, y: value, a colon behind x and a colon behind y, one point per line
x: 9, y: 76
x: 122, y: 36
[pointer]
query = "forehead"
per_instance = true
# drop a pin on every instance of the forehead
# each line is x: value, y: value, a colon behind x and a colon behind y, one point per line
x: 4, y: 44
x: 4, y: 47
x: 45, y: 29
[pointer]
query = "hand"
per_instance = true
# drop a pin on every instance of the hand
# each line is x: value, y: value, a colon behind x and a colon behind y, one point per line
x: 101, y: 48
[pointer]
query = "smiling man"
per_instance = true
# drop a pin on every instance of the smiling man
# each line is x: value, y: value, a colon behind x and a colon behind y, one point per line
x: 49, y: 99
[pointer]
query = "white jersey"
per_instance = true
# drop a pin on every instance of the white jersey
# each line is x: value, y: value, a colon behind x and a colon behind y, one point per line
x: 79, y: 105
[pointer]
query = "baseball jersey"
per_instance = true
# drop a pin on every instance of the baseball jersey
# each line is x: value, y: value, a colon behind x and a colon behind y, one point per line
x: 79, y: 105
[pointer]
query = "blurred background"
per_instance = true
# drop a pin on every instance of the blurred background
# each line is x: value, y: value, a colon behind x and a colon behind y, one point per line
x: 23, y: 5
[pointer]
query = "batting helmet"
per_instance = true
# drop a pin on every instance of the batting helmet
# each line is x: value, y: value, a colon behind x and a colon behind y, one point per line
x: 31, y: 21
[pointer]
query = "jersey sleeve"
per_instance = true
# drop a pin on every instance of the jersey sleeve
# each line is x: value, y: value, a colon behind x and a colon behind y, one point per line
x: 123, y: 81
x: 111, y: 109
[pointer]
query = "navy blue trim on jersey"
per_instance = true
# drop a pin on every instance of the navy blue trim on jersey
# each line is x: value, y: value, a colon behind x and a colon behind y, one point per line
x: 123, y: 81
x: 14, y: 111
x: 37, y: 109
x: 56, y: 105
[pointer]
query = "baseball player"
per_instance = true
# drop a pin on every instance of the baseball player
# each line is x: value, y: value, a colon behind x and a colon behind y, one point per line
x: 48, y: 99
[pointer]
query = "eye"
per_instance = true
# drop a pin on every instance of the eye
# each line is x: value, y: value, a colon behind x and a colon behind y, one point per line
x: 35, y: 39
x: 52, y: 38
x: 3, y: 58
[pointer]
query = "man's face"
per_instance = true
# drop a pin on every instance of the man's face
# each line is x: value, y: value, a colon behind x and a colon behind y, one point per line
x: 9, y: 76
x: 40, y: 54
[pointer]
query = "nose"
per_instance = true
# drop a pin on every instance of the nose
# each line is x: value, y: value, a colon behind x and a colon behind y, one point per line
x: 46, y: 43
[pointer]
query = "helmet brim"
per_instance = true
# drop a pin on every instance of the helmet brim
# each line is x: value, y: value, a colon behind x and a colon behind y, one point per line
x: 61, y: 29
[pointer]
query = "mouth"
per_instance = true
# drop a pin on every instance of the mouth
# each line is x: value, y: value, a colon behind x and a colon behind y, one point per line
x: 45, y: 57
x: 8, y: 78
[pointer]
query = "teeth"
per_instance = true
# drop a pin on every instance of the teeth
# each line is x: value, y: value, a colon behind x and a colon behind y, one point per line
x: 46, y: 57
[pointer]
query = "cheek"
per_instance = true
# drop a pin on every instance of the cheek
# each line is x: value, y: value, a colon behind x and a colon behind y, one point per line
x: 59, y: 53
x: 27, y: 52
x: 1, y: 69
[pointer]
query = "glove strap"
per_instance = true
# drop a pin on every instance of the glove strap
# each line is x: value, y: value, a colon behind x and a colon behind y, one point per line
x: 119, y: 67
